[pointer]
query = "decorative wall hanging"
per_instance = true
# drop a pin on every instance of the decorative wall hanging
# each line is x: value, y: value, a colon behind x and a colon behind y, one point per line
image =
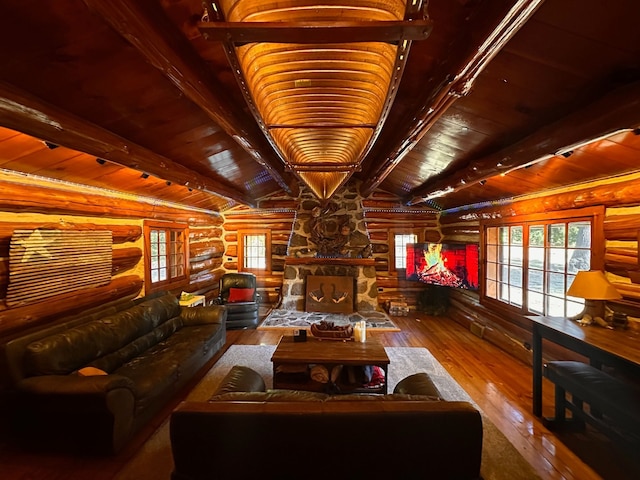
x: 46, y: 263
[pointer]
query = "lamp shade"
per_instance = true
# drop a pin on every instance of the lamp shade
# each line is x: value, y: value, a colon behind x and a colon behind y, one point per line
x: 592, y: 285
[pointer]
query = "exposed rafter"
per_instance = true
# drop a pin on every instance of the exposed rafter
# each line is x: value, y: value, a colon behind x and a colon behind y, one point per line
x: 25, y: 113
x: 145, y: 26
x: 452, y: 87
x: 616, y: 111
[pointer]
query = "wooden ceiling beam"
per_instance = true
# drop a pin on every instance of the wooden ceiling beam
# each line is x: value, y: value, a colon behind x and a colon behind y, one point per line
x: 616, y: 111
x: 146, y: 27
x: 240, y: 33
x: 23, y: 112
x: 451, y: 87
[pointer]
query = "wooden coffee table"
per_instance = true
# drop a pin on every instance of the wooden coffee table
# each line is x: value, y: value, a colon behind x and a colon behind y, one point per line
x: 292, y: 362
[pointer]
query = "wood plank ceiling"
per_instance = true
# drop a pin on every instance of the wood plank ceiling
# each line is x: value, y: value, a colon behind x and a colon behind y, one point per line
x: 498, y: 87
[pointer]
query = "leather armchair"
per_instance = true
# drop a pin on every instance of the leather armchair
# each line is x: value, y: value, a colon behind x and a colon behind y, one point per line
x: 238, y: 294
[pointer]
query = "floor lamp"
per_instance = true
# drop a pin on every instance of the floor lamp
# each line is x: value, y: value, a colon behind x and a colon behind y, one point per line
x: 594, y: 287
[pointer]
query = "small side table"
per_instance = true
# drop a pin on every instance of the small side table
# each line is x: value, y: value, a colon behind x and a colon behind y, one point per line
x: 194, y: 301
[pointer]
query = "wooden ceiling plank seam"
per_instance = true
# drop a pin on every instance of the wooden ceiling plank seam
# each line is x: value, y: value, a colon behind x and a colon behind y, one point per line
x: 157, y: 39
x: 615, y: 112
x: 454, y: 87
x: 23, y: 112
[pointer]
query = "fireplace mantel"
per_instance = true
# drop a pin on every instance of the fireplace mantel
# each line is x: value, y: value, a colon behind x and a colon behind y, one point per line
x: 367, y: 262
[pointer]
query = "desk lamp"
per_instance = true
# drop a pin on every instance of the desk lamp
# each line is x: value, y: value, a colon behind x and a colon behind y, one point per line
x: 594, y: 287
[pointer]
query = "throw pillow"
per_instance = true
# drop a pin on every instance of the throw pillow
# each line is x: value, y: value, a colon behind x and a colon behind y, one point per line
x: 240, y: 295
x: 91, y: 371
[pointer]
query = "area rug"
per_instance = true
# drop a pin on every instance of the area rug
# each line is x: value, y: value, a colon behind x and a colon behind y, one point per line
x: 500, y: 460
x: 281, y: 318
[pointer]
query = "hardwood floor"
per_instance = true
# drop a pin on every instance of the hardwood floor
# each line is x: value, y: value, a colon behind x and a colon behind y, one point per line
x: 498, y: 383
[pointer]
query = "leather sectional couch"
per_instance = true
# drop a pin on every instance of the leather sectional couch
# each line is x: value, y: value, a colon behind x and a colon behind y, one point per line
x: 93, y: 381
x: 286, y: 434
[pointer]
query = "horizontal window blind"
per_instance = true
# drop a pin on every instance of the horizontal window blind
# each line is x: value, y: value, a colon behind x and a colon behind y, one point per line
x: 46, y: 263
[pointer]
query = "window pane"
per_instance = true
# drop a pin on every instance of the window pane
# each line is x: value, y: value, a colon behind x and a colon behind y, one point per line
x: 516, y: 235
x: 556, y: 284
x: 556, y: 259
x: 536, y: 236
x: 580, y: 235
x: 516, y: 255
x: 536, y: 257
x: 555, y: 307
x: 536, y: 302
x: 574, y: 308
x: 503, y: 235
x: 491, y: 289
x: 516, y: 296
x: 492, y: 236
x: 536, y: 281
x: 556, y: 235
x: 492, y: 271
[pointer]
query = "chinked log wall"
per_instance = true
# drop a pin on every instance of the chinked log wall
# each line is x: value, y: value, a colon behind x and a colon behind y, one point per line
x: 49, y: 207
x: 621, y: 199
x: 275, y: 214
x: 385, y: 216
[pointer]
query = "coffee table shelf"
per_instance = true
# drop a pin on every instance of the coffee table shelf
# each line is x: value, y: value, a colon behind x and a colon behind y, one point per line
x: 290, y: 354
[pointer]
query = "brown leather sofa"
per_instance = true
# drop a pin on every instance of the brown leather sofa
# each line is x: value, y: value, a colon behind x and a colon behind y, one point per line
x: 285, y: 434
x: 137, y: 355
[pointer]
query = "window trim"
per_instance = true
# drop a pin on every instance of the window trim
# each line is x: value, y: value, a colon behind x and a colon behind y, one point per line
x: 268, y: 254
x: 170, y: 283
x: 392, y: 232
x: 595, y: 213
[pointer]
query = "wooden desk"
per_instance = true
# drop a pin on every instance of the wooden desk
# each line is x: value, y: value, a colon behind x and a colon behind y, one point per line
x: 616, y: 348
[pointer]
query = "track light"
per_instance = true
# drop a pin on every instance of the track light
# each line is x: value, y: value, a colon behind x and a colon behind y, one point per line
x: 144, y: 175
x: 50, y: 146
x: 168, y: 182
x: 101, y: 161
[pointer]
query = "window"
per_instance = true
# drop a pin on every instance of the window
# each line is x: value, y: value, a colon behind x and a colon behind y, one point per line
x: 531, y: 262
x: 400, y: 241
x: 166, y: 255
x: 254, y: 250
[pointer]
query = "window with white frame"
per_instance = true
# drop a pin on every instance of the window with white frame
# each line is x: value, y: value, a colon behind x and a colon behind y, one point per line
x: 254, y: 250
x: 400, y: 241
x: 531, y: 262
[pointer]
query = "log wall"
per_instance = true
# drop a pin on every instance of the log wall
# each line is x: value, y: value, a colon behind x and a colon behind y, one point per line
x: 384, y: 216
x: 276, y: 214
x: 51, y: 207
x: 621, y: 198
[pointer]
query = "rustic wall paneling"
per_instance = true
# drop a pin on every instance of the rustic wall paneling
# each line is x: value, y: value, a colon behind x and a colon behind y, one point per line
x: 275, y: 213
x: 41, y: 204
x: 385, y: 215
x: 620, y: 196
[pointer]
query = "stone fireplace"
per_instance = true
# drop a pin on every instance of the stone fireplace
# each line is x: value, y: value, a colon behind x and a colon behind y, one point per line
x: 332, y: 240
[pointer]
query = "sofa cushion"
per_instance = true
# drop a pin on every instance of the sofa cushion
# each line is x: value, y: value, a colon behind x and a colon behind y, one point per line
x: 115, y: 360
x: 374, y: 397
x: 162, y: 308
x: 241, y: 379
x: 271, y: 396
x: 65, y: 352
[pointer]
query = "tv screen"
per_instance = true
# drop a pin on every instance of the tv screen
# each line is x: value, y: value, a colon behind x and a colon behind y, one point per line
x: 445, y: 264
